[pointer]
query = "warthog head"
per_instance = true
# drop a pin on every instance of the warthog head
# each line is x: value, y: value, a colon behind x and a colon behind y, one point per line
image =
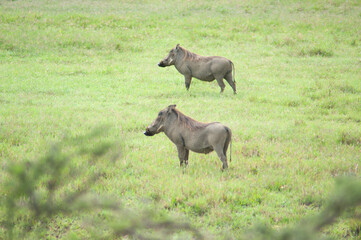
x: 157, y: 125
x: 170, y: 58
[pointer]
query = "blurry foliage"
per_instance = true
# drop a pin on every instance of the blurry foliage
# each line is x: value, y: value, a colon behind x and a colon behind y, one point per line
x: 347, y: 196
x: 38, y: 191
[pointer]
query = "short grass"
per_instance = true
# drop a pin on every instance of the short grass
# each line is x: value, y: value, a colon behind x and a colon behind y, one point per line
x: 67, y: 67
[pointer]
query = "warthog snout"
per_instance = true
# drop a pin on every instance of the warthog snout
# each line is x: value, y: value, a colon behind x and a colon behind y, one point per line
x: 161, y: 64
x: 148, y: 133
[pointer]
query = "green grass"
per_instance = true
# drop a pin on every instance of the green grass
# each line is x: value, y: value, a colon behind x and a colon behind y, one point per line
x: 68, y: 67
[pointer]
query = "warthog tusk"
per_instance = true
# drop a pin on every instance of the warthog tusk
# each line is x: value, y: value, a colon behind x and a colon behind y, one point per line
x: 159, y: 128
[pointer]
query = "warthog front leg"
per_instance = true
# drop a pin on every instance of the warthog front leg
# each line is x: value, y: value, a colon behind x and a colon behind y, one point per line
x: 185, y: 160
x: 183, y: 154
x: 187, y: 80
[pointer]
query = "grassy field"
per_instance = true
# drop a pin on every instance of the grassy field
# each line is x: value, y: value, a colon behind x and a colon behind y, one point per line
x: 67, y: 67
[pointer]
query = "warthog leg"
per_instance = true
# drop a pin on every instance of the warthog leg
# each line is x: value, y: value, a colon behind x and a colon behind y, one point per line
x: 183, y: 154
x: 186, y: 158
x: 187, y: 80
x: 229, y: 79
x: 220, y: 83
x: 222, y: 156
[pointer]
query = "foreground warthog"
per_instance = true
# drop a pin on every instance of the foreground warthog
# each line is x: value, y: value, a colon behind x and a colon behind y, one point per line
x: 204, y: 68
x: 189, y: 134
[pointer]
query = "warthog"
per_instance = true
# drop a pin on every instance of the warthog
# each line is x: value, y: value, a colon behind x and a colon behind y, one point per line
x: 189, y: 134
x: 204, y: 68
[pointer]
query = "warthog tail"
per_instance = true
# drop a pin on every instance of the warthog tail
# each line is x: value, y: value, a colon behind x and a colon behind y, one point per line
x: 234, y: 72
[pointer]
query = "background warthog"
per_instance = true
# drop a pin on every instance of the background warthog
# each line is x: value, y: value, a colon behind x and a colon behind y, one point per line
x: 189, y: 134
x: 204, y: 68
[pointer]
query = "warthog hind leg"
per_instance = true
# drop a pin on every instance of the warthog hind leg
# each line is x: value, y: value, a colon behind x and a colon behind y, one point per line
x: 229, y: 79
x: 222, y: 157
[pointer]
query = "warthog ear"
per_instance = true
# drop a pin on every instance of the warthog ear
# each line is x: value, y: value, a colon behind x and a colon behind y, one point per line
x: 177, y: 47
x: 171, y: 108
